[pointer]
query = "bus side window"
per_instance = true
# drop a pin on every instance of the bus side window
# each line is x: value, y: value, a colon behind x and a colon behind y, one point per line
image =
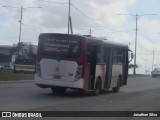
x: 120, y: 56
x: 115, y: 57
x: 101, y: 54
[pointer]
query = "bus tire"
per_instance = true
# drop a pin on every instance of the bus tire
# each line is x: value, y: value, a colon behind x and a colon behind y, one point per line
x: 15, y: 71
x: 116, y: 89
x: 97, y: 88
x: 21, y: 72
x: 58, y: 90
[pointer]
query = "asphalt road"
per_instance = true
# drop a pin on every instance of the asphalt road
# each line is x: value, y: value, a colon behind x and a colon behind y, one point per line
x: 141, y: 94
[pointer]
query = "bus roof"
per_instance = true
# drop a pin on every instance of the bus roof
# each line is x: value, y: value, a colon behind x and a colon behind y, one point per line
x: 88, y: 37
x: 110, y: 43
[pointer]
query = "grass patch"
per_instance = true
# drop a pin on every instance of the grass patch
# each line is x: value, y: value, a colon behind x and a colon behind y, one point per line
x: 9, y: 75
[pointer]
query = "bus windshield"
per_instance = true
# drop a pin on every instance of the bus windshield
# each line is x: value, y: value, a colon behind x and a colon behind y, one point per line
x: 61, y: 46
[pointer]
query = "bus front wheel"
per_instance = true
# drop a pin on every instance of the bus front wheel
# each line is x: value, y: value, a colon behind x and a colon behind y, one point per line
x: 116, y: 89
x: 58, y: 90
x: 97, y: 88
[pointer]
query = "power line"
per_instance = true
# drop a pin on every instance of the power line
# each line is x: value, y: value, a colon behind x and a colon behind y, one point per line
x: 83, y: 13
x: 69, y: 16
x: 10, y: 38
x: 52, y: 2
x: 73, y: 7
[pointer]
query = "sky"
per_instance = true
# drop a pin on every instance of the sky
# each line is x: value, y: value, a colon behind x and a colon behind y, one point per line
x: 112, y: 19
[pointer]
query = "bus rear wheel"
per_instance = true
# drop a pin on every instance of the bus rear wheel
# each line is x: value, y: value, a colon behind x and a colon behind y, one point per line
x: 58, y: 90
x: 116, y: 89
x: 97, y: 88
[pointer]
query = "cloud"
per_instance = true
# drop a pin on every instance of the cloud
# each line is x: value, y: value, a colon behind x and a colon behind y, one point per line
x: 151, y: 27
x: 84, y: 14
x: 98, y: 15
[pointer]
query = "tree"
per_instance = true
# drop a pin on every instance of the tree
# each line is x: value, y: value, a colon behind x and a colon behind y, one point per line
x: 21, y: 50
x: 131, y: 66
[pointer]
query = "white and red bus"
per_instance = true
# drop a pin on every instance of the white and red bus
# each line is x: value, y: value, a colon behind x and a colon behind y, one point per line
x: 80, y: 62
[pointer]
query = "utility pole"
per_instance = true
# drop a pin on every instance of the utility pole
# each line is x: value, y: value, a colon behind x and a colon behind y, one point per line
x: 145, y: 66
x: 69, y: 17
x: 134, y: 71
x: 21, y: 17
x: 90, y: 31
x: 71, y: 24
x: 153, y: 61
x: 136, y: 31
x: 20, y: 24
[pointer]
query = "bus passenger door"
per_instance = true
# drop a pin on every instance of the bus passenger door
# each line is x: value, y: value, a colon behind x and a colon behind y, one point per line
x: 108, y: 67
x: 92, y: 61
x: 125, y: 67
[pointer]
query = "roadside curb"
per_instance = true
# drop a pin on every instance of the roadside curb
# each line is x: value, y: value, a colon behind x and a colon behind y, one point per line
x: 32, y: 81
x: 131, y: 76
x: 18, y: 81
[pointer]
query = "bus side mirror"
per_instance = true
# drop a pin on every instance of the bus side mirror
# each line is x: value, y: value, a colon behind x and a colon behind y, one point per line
x: 132, y: 56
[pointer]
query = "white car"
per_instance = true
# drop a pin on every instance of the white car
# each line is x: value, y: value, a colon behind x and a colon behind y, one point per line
x: 155, y: 72
x: 1, y: 66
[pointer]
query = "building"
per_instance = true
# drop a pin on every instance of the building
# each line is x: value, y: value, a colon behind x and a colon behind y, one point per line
x: 5, y: 55
x: 7, y: 58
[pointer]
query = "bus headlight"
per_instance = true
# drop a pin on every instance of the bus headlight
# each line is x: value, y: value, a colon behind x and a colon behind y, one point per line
x: 78, y: 73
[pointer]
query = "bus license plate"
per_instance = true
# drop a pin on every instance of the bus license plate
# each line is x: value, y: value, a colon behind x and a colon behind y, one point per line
x: 57, y: 77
